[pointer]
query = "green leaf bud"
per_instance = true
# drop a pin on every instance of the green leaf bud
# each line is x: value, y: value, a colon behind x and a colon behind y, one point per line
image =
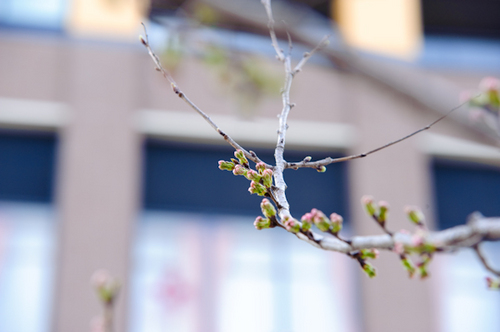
x: 253, y: 176
x: 408, y: 265
x: 226, y: 165
x: 321, y: 169
x: 336, y: 222
x: 415, y: 215
x: 369, y: 270
x: 267, y: 178
x: 367, y: 202
x: 261, y: 223
x: 257, y: 188
x: 369, y: 253
x: 320, y: 220
x: 267, y: 208
x: 292, y: 225
x: 383, y: 209
x: 241, y: 157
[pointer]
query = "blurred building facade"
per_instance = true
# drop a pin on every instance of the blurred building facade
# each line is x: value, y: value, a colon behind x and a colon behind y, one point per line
x: 102, y: 166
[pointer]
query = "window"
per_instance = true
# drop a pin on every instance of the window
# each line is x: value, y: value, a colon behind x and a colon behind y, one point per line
x: 47, y: 14
x: 462, y: 188
x: 198, y: 260
x: 27, y: 234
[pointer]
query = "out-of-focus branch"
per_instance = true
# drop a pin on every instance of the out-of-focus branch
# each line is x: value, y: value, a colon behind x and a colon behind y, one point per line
x: 484, y: 261
x: 463, y: 236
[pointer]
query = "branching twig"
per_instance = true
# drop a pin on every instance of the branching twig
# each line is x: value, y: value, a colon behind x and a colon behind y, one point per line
x: 447, y: 240
x: 327, y: 161
x: 249, y: 154
x: 484, y: 261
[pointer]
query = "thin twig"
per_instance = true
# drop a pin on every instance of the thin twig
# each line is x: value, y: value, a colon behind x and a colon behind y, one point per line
x: 327, y: 161
x: 484, y: 261
x: 249, y: 154
x: 324, y: 42
x: 274, y: 40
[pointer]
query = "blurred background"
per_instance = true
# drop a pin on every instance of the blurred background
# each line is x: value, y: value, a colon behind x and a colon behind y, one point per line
x: 102, y: 166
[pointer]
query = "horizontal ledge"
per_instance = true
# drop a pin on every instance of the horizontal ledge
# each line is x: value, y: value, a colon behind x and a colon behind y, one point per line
x: 259, y: 131
x: 450, y: 147
x: 32, y: 114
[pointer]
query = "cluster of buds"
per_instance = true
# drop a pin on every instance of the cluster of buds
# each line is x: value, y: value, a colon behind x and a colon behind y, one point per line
x: 322, y: 222
x: 106, y: 287
x: 361, y: 256
x: 261, y: 179
x: 493, y: 283
x: 378, y: 212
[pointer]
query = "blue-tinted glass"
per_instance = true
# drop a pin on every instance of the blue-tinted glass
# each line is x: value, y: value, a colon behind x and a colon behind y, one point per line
x: 186, y: 178
x: 47, y: 14
x: 27, y: 166
x: 462, y: 188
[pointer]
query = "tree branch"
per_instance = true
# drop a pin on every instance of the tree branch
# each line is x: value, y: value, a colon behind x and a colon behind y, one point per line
x: 482, y: 229
x: 327, y: 161
x: 249, y: 154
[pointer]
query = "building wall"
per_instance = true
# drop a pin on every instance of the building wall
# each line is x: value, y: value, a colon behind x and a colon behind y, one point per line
x: 104, y: 86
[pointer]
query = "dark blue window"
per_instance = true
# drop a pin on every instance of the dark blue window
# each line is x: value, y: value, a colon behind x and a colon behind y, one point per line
x: 27, y: 164
x: 186, y: 177
x: 464, y: 187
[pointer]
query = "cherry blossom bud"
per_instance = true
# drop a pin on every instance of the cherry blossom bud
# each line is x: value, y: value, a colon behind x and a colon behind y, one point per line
x: 367, y: 202
x: 292, y: 225
x: 261, y: 223
x: 408, y: 265
x: 261, y: 167
x: 489, y: 84
x: 241, y: 157
x: 257, y: 188
x: 493, y: 283
x: 226, y: 165
x: 107, y: 287
x: 267, y: 208
x: 384, y: 208
x: 369, y: 253
x: 239, y: 170
x: 306, y: 221
x: 253, y: 176
x: 267, y: 178
x: 321, y: 169
x: 320, y: 220
x: 399, y: 248
x: 369, y: 270
x: 336, y: 222
x: 415, y: 215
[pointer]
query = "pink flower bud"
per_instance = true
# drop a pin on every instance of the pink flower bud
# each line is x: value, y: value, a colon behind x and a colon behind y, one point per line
x: 489, y: 84
x: 336, y: 222
x: 267, y: 178
x: 253, y: 175
x: 239, y: 170
x: 399, y: 248
x: 291, y: 225
x: 261, y: 223
x: 241, y: 157
x: 257, y: 188
x: 367, y: 202
x: 226, y: 165
x: 267, y: 208
x: 320, y: 220
x: 260, y: 166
